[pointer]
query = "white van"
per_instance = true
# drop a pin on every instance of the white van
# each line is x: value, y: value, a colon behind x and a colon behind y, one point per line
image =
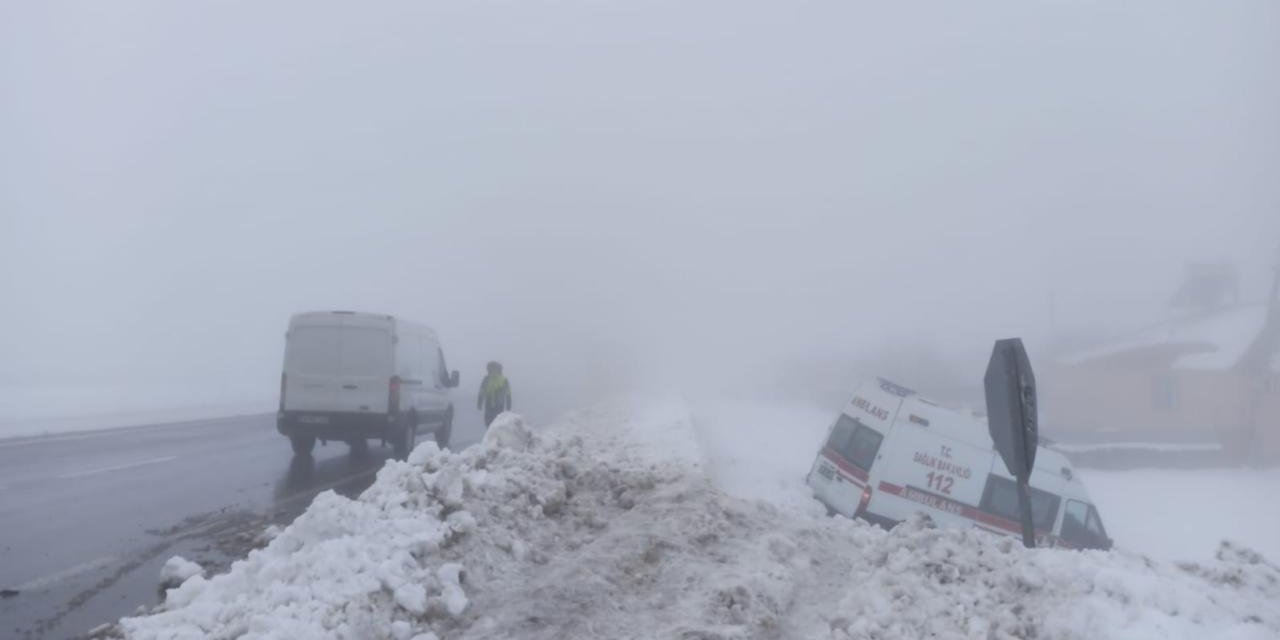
x: 892, y: 453
x: 359, y: 376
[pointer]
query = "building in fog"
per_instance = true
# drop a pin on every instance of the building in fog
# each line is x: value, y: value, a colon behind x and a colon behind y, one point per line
x: 1211, y: 375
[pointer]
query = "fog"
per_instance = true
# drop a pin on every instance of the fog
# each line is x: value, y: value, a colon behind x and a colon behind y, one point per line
x: 610, y: 194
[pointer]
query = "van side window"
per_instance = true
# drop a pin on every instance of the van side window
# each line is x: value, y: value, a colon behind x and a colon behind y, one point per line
x: 443, y: 376
x: 1001, y: 498
x: 418, y: 365
x: 855, y: 442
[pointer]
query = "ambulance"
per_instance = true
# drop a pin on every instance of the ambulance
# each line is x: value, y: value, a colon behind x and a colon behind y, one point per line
x: 891, y: 453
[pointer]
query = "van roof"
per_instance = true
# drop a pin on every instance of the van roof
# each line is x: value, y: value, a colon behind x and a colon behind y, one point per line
x: 972, y: 428
x: 357, y: 318
x: 323, y: 316
x: 965, y: 426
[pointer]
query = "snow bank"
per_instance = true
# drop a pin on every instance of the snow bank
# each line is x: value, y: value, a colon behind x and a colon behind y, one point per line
x: 177, y: 570
x: 606, y: 526
x: 923, y: 582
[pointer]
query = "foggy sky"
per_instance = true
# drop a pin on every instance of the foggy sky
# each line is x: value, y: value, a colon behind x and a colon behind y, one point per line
x: 590, y: 188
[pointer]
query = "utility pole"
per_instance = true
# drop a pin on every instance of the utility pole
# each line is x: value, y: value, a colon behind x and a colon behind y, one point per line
x: 1263, y: 366
x: 1275, y: 286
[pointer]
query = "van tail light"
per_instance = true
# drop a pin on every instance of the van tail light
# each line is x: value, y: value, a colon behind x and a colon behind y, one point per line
x: 393, y: 395
x: 864, y: 500
x: 283, y: 378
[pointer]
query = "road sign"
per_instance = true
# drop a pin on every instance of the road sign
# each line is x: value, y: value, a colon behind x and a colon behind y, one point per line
x: 1011, y: 419
x: 1011, y: 405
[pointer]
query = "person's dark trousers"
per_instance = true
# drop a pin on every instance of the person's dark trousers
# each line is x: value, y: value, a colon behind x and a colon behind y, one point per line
x: 489, y: 414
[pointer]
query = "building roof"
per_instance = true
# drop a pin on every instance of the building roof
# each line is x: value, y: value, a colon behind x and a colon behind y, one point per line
x: 1210, y: 341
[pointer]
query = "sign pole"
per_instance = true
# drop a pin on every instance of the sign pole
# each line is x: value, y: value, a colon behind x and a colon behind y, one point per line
x: 1020, y: 441
x: 1024, y: 505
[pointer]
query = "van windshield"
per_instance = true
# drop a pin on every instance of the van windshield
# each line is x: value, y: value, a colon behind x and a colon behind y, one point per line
x: 336, y: 351
x: 1082, y: 527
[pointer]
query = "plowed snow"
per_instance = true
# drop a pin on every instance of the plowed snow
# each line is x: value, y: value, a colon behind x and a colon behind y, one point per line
x: 606, y: 526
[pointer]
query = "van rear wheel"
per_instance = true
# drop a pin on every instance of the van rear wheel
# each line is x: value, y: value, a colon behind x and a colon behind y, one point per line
x: 407, y: 437
x: 302, y: 445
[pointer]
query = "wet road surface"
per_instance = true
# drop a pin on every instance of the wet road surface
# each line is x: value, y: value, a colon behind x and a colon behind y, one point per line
x: 87, y: 519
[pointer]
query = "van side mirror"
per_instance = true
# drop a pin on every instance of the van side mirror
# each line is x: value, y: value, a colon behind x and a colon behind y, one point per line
x: 453, y: 379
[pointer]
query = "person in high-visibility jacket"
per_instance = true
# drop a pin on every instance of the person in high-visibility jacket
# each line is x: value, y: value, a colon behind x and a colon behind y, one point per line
x: 495, y: 394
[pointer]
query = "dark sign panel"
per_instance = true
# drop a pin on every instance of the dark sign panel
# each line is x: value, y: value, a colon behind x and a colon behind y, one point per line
x: 1011, y: 419
x: 1011, y: 406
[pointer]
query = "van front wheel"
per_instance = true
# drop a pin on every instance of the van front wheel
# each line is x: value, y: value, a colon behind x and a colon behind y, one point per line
x: 302, y: 445
x: 445, y: 430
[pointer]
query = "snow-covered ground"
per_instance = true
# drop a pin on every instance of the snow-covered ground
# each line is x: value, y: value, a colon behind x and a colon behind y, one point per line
x: 761, y: 451
x: 1183, y: 515
x: 612, y: 524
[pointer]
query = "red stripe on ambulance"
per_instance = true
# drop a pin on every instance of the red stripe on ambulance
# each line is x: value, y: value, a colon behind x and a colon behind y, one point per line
x: 984, y: 519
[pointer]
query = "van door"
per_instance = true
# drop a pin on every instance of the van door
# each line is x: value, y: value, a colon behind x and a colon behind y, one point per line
x: 840, y: 473
x: 365, y: 357
x: 311, y: 368
x: 435, y: 396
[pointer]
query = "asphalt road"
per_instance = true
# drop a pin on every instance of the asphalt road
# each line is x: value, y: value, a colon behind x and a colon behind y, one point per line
x: 87, y: 519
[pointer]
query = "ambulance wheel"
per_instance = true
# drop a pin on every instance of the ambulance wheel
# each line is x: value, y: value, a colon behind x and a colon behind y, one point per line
x: 445, y: 431
x: 302, y: 445
x: 407, y: 437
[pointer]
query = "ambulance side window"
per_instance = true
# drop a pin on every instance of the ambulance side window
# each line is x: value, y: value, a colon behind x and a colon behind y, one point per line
x: 1001, y: 498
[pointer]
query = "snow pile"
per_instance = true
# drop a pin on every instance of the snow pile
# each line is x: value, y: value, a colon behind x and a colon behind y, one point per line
x: 177, y: 570
x: 926, y: 582
x: 607, y: 527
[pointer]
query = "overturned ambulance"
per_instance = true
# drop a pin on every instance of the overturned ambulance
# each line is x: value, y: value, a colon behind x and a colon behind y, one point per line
x: 891, y: 453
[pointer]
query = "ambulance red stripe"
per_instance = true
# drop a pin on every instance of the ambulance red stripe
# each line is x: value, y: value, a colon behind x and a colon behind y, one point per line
x: 952, y: 506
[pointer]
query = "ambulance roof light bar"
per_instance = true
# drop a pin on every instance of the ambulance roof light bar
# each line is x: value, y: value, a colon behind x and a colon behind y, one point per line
x: 895, y: 389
